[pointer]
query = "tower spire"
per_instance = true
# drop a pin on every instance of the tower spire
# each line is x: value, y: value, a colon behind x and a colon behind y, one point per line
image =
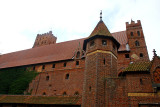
x: 101, y: 15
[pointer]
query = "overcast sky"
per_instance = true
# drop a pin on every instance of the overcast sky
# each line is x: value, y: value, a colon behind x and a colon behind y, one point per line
x: 22, y: 20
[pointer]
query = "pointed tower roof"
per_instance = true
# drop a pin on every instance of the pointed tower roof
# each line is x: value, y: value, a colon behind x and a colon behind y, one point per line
x: 100, y: 29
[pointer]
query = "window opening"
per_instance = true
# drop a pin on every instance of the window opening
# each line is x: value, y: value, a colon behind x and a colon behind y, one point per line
x: 44, y: 93
x: 67, y: 76
x: 90, y: 88
x: 76, y: 93
x: 64, y: 93
x: 104, y: 61
x: 141, y: 82
x: 77, y: 62
x: 126, y: 55
x: 104, y: 42
x: 141, y: 55
x: 47, y: 78
x: 114, y: 48
x: 137, y: 43
x: 65, y: 64
x: 132, y: 34
x: 53, y: 66
x: 92, y: 43
x: 43, y: 67
x: 78, y: 54
x: 138, y: 32
x: 34, y: 67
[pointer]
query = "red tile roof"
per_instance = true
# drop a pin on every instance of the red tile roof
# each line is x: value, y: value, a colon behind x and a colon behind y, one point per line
x: 50, y: 53
x: 23, y: 99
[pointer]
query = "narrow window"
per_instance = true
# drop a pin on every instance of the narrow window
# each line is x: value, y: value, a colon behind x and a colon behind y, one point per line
x: 92, y: 43
x: 47, y: 78
x: 77, y: 62
x: 137, y: 43
x: 78, y: 54
x: 34, y: 67
x: 67, y: 76
x: 132, y: 34
x: 76, y: 93
x: 65, y: 64
x: 44, y: 93
x: 43, y: 67
x: 141, y: 55
x: 104, y: 61
x: 104, y: 42
x: 90, y: 88
x: 126, y: 55
x: 141, y: 82
x: 138, y: 33
x: 114, y: 48
x: 64, y: 93
x: 53, y: 66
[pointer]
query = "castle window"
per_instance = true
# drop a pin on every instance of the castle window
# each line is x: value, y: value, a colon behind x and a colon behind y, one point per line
x: 114, y: 47
x: 78, y: 54
x: 43, y: 67
x: 67, y: 76
x: 34, y: 67
x: 64, y: 93
x: 104, y: 61
x: 90, y: 88
x: 77, y: 62
x: 47, y: 78
x: 76, y: 93
x: 137, y: 43
x: 126, y: 55
x: 53, y: 66
x: 92, y: 43
x: 141, y: 82
x: 141, y: 55
x: 44, y: 93
x: 65, y: 64
x: 104, y: 42
x: 138, y: 33
x: 132, y: 34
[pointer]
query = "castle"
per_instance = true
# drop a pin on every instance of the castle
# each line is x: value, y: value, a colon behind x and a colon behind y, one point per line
x: 103, y: 70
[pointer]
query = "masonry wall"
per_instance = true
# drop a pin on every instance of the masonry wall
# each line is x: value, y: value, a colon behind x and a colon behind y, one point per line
x: 59, y: 80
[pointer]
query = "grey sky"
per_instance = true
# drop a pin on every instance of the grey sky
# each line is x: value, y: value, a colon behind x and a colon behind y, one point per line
x: 22, y: 20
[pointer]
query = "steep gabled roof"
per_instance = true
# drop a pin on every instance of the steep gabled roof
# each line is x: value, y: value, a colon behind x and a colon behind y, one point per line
x: 100, y: 29
x: 43, y: 54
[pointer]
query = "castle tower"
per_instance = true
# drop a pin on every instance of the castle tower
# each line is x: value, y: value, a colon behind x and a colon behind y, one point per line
x: 100, y: 62
x: 44, y: 39
x: 136, y: 41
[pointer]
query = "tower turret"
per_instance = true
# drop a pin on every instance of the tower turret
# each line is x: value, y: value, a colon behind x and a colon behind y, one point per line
x: 101, y: 62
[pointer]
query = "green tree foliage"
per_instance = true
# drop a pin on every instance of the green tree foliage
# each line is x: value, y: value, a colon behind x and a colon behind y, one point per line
x: 15, y: 80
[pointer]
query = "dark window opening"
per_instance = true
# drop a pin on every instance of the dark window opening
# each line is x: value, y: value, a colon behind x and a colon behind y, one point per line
x: 104, y: 61
x: 67, y: 76
x: 141, y: 82
x: 53, y: 66
x: 47, y: 78
x: 43, y: 67
x: 126, y: 55
x: 65, y: 64
x: 90, y: 88
x: 50, y: 85
x: 132, y: 34
x: 104, y: 42
x: 77, y: 62
x: 44, y: 93
x: 141, y: 55
x: 92, y: 43
x: 76, y: 93
x: 114, y: 47
x: 64, y: 93
x: 137, y: 43
x: 34, y: 67
x: 78, y: 54
x: 138, y: 32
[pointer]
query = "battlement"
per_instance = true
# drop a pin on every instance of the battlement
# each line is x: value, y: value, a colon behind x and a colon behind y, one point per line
x: 45, y: 39
x: 133, y: 24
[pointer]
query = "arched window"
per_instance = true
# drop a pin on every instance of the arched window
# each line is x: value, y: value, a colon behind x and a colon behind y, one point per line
x: 104, y: 42
x: 132, y: 34
x: 104, y: 61
x: 76, y: 93
x: 77, y: 62
x: 43, y: 67
x: 64, y: 93
x: 138, y: 33
x: 78, y: 54
x: 67, y: 76
x: 137, y: 43
x: 44, y: 93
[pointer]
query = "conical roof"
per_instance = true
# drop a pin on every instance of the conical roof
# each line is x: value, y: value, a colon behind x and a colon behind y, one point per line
x: 100, y: 29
